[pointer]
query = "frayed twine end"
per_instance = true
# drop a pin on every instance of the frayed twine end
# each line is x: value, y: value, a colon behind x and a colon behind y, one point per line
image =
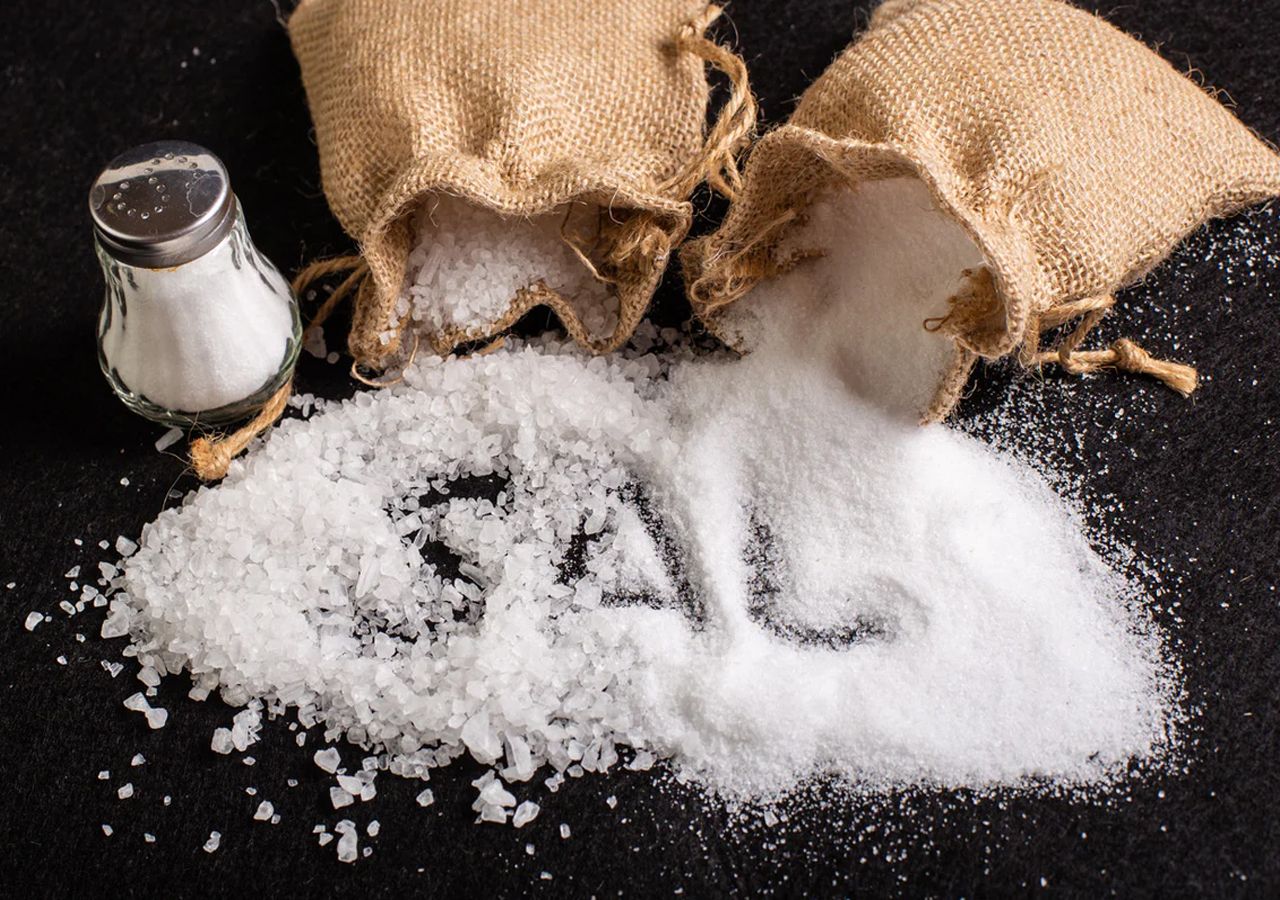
x: 1125, y: 356
x: 211, y: 457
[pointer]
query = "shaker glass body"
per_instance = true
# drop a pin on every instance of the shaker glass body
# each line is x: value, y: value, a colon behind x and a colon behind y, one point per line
x: 206, y: 342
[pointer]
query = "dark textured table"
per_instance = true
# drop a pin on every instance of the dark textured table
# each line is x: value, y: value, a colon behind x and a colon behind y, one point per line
x: 1193, y: 483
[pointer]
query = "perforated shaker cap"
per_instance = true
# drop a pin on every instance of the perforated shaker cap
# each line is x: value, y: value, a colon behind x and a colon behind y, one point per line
x: 162, y: 204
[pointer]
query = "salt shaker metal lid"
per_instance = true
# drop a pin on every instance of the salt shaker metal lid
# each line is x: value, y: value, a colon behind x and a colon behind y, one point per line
x: 162, y: 204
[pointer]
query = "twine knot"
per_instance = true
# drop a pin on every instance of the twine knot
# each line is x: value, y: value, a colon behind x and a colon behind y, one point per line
x: 211, y: 457
x: 1123, y: 355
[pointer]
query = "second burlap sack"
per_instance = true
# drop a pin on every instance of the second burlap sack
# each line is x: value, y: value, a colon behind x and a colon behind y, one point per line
x: 521, y: 108
x: 1072, y: 155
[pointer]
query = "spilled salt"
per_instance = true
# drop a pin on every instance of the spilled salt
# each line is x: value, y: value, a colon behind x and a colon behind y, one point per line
x: 797, y: 538
x: 756, y: 569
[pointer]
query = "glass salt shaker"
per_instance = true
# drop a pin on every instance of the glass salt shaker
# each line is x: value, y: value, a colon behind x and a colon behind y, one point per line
x: 197, y: 328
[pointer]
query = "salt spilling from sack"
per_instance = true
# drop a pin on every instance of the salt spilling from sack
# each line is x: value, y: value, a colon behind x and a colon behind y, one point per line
x: 884, y: 260
x: 755, y: 568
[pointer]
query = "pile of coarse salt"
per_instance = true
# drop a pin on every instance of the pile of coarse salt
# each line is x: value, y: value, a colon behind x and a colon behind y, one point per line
x: 754, y: 568
x: 469, y: 264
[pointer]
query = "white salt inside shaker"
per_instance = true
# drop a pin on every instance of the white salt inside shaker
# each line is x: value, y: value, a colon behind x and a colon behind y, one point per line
x: 197, y: 326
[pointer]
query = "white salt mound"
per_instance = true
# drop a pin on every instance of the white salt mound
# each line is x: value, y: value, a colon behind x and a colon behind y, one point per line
x: 758, y: 569
x: 469, y: 263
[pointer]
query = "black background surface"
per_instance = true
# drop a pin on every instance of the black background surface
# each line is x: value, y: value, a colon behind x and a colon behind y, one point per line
x: 1191, y: 483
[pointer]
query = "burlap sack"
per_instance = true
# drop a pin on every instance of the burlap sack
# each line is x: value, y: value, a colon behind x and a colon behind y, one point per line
x: 518, y: 107
x: 1074, y: 157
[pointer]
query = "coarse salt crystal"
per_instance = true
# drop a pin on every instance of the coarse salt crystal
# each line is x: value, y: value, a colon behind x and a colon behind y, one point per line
x: 328, y: 759
x: 168, y: 439
x: 525, y: 813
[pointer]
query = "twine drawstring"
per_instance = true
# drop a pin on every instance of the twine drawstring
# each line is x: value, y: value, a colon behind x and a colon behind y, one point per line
x: 210, y: 457
x: 717, y: 162
x: 1123, y: 355
x: 979, y: 300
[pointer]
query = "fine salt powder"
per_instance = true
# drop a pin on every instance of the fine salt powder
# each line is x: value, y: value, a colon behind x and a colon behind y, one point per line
x: 882, y: 260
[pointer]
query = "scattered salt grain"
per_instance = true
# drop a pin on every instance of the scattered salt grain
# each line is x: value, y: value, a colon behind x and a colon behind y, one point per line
x: 564, y: 831
x: 168, y: 439
x: 137, y: 702
x: 107, y: 829
x: 148, y: 837
x: 426, y: 797
x: 525, y: 813
x: 138, y: 760
x: 125, y: 791
x: 611, y: 801
x: 348, y: 840
x: 373, y: 828
x: 221, y: 741
x: 264, y: 811
x: 642, y: 762
x: 33, y: 619
x: 328, y: 759
x: 340, y: 798
x: 215, y: 838
x: 313, y: 342
x: 104, y: 775
x: 61, y: 660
